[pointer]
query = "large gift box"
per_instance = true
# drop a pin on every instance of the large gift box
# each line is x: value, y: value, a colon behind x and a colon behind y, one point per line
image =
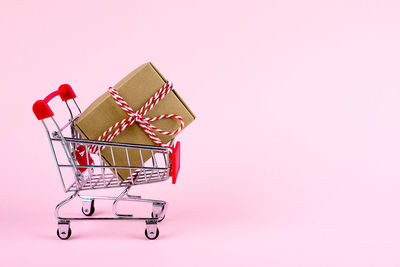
x: 136, y: 89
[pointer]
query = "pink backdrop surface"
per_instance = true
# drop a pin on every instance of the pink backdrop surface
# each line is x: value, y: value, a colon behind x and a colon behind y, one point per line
x: 293, y: 159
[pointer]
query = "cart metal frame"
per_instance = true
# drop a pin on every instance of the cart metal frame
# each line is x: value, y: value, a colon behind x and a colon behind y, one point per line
x: 100, y: 174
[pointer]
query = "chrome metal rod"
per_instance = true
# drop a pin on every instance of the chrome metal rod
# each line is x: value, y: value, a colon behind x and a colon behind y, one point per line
x: 114, y: 206
x: 114, y: 144
x: 62, y: 203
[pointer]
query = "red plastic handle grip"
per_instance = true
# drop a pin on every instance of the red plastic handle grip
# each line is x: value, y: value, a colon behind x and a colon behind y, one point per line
x: 41, y: 108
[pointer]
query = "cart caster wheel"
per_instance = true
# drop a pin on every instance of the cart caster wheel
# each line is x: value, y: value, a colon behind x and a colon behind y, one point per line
x: 159, y: 219
x: 64, y: 235
x: 88, y: 208
x: 158, y: 209
x: 88, y: 212
x: 151, y: 234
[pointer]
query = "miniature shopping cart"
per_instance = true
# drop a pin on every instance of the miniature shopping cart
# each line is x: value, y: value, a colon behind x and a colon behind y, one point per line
x: 81, y: 171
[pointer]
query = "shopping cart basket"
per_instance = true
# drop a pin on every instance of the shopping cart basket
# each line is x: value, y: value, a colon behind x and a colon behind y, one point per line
x: 88, y: 171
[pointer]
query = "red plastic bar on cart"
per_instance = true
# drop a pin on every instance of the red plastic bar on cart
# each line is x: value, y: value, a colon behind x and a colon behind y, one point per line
x: 41, y: 108
x: 176, y: 161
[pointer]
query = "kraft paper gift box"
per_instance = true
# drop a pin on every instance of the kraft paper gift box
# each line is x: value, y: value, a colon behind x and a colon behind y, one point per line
x: 136, y: 89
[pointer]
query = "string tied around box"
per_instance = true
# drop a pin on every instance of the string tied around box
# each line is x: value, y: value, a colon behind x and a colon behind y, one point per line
x: 138, y: 117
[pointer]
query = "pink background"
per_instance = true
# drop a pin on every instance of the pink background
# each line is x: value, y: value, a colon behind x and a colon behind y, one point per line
x: 292, y: 161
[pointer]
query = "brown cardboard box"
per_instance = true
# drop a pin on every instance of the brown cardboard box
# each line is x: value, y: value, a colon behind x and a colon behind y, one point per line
x: 136, y: 88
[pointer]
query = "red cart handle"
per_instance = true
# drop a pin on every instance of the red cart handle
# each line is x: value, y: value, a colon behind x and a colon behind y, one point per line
x: 41, y: 108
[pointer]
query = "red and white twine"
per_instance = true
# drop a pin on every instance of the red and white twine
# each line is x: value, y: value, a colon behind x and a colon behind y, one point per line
x: 138, y: 117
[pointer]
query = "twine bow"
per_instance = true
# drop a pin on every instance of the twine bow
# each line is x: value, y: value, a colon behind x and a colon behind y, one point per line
x: 138, y: 117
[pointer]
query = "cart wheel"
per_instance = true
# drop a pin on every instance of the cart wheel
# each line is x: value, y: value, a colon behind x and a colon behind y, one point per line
x: 159, y: 219
x: 151, y: 235
x: 63, y: 235
x: 88, y: 207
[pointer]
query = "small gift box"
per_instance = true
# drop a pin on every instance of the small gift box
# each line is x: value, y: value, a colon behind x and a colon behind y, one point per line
x: 142, y: 108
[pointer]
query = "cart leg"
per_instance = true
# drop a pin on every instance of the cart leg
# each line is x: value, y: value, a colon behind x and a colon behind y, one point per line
x: 114, y: 206
x: 151, y: 231
x: 63, y: 229
x: 62, y: 203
